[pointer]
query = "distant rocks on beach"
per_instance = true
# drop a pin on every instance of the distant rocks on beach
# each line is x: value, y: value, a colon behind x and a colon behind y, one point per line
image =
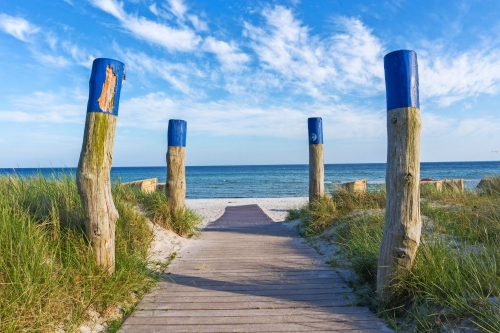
x: 489, y: 185
x: 456, y: 184
x: 146, y: 185
x: 358, y: 186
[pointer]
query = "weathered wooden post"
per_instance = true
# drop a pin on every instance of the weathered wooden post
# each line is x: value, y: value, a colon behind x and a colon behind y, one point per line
x: 402, y: 222
x: 175, y: 188
x: 92, y: 175
x: 316, y: 159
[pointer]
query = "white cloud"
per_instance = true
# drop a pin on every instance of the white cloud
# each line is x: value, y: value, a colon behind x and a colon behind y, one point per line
x: 44, y: 117
x: 48, y: 107
x: 50, y: 60
x: 358, y: 56
x: 197, y: 23
x: 434, y: 125
x: 153, y: 9
x: 293, y: 61
x: 51, y: 40
x: 348, y: 60
x: 22, y: 30
x: 178, y: 8
x: 17, y: 27
x: 178, y: 75
x: 450, y: 77
x: 233, y: 118
x: 476, y: 127
x: 160, y: 12
x: 228, y: 53
x: 80, y: 56
x: 183, y: 39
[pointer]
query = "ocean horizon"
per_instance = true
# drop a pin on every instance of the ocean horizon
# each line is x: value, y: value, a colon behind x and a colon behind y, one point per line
x: 285, y: 180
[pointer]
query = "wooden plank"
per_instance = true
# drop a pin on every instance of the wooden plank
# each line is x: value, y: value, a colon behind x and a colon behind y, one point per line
x: 256, y: 291
x: 284, y: 319
x: 274, y: 272
x: 275, y: 319
x: 290, y: 327
x: 354, y: 313
x: 237, y: 305
x: 246, y: 298
x: 172, y: 288
x: 200, y: 282
x: 235, y: 282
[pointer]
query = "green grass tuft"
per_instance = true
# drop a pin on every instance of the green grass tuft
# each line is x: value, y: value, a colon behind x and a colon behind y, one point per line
x: 156, y: 207
x: 48, y: 278
x: 330, y: 209
x: 455, y: 281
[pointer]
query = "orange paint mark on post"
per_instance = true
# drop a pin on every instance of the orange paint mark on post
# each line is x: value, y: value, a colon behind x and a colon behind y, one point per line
x: 107, y: 99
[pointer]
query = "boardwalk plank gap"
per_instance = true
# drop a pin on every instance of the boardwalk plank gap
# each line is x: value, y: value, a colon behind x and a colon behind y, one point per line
x: 247, y: 273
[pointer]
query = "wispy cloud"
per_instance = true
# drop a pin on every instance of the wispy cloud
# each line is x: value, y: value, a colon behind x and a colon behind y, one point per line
x: 45, y: 50
x: 477, y: 127
x: 49, y: 59
x: 80, y: 56
x: 348, y: 60
x: 173, y: 39
x: 178, y: 8
x: 181, y: 38
x: 198, y: 23
x: 451, y: 76
x: 17, y: 27
x: 229, y: 118
x: 228, y: 54
x: 62, y: 107
x: 435, y: 125
x: 179, y: 75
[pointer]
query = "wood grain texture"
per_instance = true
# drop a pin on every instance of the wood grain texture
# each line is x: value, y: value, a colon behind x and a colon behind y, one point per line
x: 402, y: 222
x: 175, y: 188
x: 316, y: 172
x: 94, y: 186
x: 247, y: 273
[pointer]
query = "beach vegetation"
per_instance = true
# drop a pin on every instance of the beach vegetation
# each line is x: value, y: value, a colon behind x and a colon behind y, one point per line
x: 333, y: 208
x: 155, y: 205
x: 49, y: 280
x: 454, y: 284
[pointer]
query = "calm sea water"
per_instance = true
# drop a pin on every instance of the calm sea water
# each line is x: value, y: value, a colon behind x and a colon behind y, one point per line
x: 254, y: 181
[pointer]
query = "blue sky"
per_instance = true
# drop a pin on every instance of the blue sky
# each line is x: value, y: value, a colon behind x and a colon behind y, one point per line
x: 246, y: 75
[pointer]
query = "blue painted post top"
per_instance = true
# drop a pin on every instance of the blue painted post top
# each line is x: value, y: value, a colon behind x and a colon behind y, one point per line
x: 177, y: 133
x: 105, y: 85
x: 401, y: 79
x: 315, y: 129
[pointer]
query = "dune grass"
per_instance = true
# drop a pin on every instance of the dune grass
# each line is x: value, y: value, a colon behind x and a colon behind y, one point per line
x: 48, y: 279
x: 455, y: 282
x: 333, y: 208
x: 155, y: 204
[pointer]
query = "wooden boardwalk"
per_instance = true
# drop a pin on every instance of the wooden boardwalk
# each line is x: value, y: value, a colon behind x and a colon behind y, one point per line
x: 247, y: 273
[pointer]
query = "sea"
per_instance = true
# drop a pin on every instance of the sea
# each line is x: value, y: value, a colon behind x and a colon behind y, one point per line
x: 273, y: 181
